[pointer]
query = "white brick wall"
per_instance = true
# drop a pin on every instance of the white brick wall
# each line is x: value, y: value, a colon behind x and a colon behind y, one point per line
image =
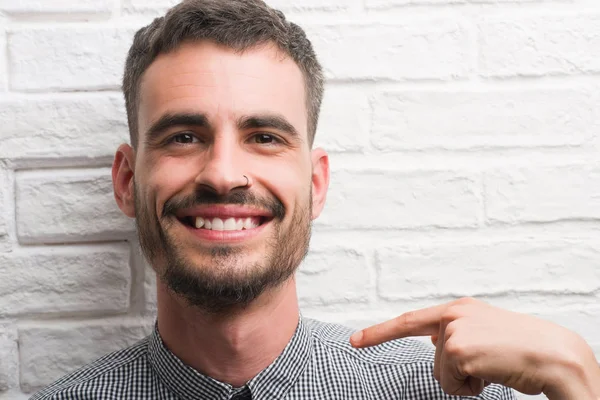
x: 464, y: 146
x: 407, y: 49
x: 61, y: 126
x: 55, y: 6
x: 65, y: 279
x: 68, y: 206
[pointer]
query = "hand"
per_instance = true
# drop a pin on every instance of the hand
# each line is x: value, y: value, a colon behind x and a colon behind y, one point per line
x: 477, y: 344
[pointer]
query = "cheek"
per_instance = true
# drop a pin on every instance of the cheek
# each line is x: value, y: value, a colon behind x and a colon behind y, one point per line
x: 167, y: 178
x: 289, y: 181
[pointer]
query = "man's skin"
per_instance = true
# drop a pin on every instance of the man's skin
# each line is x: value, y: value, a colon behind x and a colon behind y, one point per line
x: 234, y: 346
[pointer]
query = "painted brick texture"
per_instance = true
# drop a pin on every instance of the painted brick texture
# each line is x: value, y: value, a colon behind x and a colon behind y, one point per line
x: 63, y: 58
x: 58, y: 126
x: 91, y: 278
x: 55, y: 6
x: 68, y: 206
x: 345, y: 48
x: 463, y: 139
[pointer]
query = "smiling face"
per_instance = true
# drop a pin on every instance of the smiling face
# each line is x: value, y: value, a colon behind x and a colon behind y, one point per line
x: 223, y: 184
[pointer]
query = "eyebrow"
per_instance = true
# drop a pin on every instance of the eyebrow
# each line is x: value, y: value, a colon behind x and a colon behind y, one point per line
x: 179, y: 119
x: 272, y: 121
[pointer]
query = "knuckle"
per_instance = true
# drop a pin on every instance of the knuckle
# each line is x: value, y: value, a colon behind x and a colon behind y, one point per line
x: 455, y: 349
x: 464, y: 367
x: 451, y: 314
x: 451, y: 329
x: 468, y: 301
x: 407, y: 319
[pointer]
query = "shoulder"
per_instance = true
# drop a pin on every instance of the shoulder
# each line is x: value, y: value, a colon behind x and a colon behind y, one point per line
x: 396, y: 352
x: 84, y: 381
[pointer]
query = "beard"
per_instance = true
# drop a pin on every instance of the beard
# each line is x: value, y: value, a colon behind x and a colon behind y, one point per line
x: 226, y: 281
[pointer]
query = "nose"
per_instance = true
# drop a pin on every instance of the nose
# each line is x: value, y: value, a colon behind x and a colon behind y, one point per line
x: 223, y: 167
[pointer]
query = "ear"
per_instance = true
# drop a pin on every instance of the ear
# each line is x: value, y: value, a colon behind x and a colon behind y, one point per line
x: 320, y: 180
x: 122, y: 177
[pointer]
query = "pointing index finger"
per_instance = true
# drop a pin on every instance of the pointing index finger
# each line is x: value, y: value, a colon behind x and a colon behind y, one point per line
x: 423, y: 322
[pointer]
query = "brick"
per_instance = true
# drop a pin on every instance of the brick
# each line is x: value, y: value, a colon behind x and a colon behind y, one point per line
x: 144, y: 295
x: 389, y: 199
x: 5, y: 243
x: 62, y: 127
x: 9, y: 360
x: 3, y: 59
x: 491, y: 118
x: 344, y: 120
x: 61, y: 58
x: 156, y: 6
x: 161, y: 6
x: 383, y: 4
x: 47, y: 350
x: 15, y: 394
x: 342, y: 271
x: 149, y: 282
x: 437, y: 49
x: 55, y: 6
x: 69, y: 205
x: 65, y: 279
x: 488, y: 268
x: 150, y: 290
x: 540, y: 45
x: 299, y: 5
x: 5, y: 211
x: 543, y: 194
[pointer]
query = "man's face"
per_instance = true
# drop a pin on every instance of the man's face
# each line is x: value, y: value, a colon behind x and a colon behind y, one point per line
x: 224, y: 176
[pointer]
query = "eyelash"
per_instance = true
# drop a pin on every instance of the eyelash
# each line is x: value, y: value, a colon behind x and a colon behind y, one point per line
x: 173, y: 138
x: 276, y: 140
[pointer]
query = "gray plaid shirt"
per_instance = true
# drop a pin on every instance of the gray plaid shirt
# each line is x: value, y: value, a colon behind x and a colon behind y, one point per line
x: 318, y: 363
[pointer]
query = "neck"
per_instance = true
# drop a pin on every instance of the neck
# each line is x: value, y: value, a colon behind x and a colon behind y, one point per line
x: 230, y: 348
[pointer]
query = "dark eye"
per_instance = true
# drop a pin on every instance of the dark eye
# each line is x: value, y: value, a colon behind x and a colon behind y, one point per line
x: 184, y: 138
x: 264, y: 138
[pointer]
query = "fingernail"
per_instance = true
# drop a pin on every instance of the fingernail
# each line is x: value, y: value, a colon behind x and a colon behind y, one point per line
x: 357, y: 337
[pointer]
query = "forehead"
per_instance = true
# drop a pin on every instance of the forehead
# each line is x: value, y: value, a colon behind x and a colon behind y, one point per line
x: 206, y: 78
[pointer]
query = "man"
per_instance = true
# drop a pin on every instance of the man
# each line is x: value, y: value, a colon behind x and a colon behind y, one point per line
x: 222, y: 101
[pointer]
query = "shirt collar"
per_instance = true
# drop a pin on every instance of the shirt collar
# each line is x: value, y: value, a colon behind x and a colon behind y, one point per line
x: 275, y: 381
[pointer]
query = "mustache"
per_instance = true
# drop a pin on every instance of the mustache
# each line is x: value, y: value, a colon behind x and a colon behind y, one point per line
x: 208, y: 197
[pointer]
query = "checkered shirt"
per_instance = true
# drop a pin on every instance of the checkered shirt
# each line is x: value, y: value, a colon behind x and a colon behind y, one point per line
x: 317, y: 363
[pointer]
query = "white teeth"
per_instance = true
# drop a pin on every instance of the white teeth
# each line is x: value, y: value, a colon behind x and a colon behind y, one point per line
x: 217, y: 224
x: 229, y: 224
x: 249, y: 224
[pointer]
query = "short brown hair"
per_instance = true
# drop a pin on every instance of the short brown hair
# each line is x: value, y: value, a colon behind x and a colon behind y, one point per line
x: 236, y: 24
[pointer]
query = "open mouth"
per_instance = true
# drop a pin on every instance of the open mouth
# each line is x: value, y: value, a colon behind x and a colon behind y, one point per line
x: 224, y: 224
